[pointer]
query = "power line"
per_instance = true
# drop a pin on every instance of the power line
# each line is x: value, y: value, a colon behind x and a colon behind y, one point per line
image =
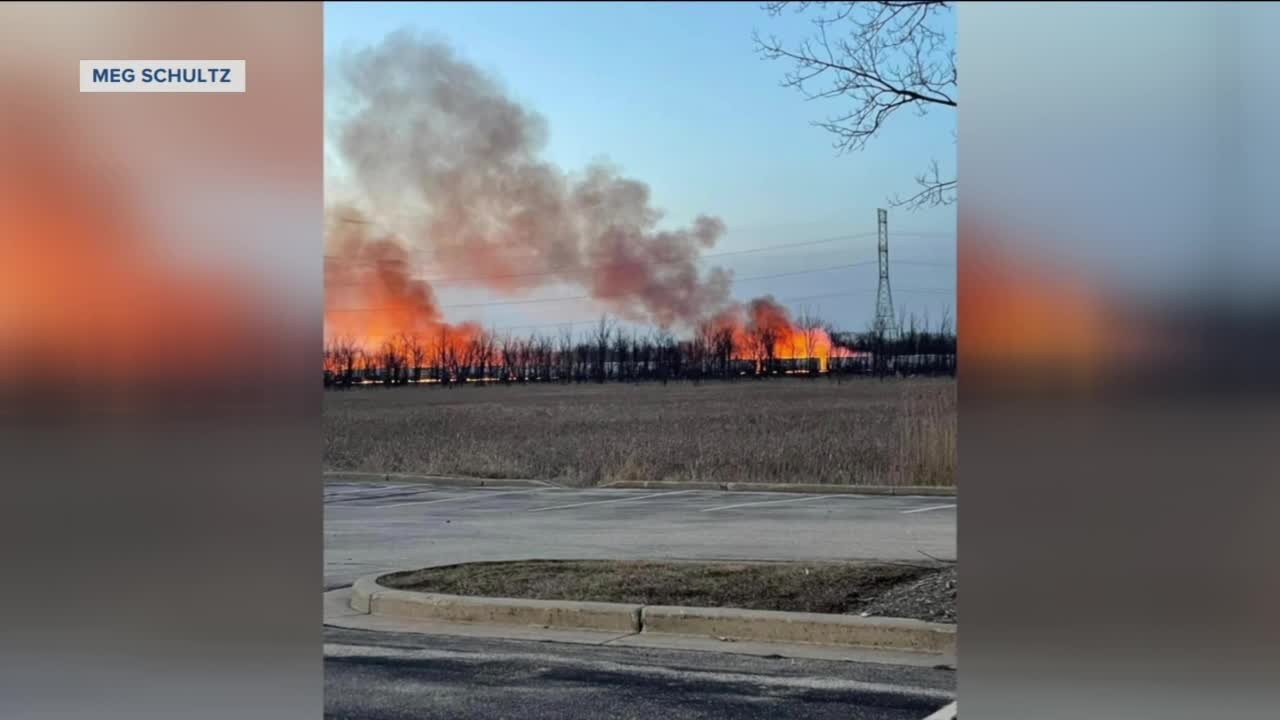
x: 922, y: 263
x: 592, y: 321
x: 834, y: 238
x: 700, y: 258
x: 392, y: 229
x: 745, y: 279
x: 595, y: 320
x: 568, y: 298
x: 547, y: 325
x: 925, y: 263
x: 804, y: 272
x: 623, y: 263
x: 534, y: 301
x: 848, y: 293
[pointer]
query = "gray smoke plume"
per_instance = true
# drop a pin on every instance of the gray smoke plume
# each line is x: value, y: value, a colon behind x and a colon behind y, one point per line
x: 434, y: 148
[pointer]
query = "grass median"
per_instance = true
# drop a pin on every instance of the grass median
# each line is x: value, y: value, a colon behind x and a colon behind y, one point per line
x: 903, y: 590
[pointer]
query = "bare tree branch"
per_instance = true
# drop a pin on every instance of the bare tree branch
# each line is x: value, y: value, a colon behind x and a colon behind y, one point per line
x: 934, y: 190
x: 881, y: 57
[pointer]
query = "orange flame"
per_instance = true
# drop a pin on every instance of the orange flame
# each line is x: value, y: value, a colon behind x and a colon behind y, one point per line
x: 762, y: 328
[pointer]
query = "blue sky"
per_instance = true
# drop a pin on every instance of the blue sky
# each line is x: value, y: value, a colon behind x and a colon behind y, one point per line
x: 675, y: 96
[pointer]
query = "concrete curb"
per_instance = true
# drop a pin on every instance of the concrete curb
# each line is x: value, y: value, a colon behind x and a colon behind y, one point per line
x: 785, y: 487
x: 438, y: 480
x: 463, y: 481
x: 797, y: 627
x: 369, y: 597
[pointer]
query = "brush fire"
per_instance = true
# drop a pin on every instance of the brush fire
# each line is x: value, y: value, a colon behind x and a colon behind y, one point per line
x: 434, y: 166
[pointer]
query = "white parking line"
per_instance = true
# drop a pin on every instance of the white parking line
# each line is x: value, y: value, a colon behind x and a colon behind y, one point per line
x: 350, y: 500
x: 946, y: 713
x: 765, y: 502
x: 927, y: 509
x: 480, y: 494
x: 614, y: 500
x: 362, y: 490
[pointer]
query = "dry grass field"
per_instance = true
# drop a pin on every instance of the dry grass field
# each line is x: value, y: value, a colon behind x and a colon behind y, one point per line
x: 862, y: 431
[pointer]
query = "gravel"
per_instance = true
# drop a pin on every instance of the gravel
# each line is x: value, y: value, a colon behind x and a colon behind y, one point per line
x: 931, y: 597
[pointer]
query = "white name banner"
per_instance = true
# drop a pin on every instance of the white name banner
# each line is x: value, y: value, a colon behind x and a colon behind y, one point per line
x: 166, y: 76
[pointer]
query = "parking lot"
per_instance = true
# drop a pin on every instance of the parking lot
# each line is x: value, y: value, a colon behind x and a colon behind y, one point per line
x: 387, y: 526
x: 375, y: 527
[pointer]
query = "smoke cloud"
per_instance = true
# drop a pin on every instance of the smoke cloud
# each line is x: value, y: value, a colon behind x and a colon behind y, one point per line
x: 449, y: 168
x: 370, y: 292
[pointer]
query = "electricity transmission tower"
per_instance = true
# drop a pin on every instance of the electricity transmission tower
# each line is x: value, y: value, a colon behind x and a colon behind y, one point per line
x: 886, y: 325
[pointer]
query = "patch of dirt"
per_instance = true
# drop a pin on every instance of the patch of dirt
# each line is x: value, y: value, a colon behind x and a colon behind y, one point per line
x: 920, y: 591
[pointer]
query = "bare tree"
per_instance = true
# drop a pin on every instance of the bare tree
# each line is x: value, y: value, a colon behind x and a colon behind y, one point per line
x: 881, y: 57
x: 332, y: 364
x: 564, y: 349
x: 910, y: 346
x: 665, y: 344
x: 946, y: 342
x: 763, y: 335
x: 391, y: 359
x: 810, y: 332
x: 543, y: 357
x: 622, y: 356
x: 456, y: 361
x: 470, y: 358
x: 441, y: 356
x: 699, y: 351
x: 342, y: 358
x: 415, y: 352
x: 530, y: 363
x: 508, y: 353
x: 583, y: 354
x: 706, y: 338
x: 481, y: 354
x: 837, y: 351
x: 725, y: 348
x: 367, y: 363
x: 600, y: 346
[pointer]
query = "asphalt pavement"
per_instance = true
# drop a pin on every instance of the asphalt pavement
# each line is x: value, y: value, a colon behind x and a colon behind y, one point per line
x: 389, y: 675
x: 393, y: 676
x: 382, y: 527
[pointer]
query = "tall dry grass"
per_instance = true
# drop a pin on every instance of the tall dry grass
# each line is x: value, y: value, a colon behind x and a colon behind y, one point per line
x: 926, y: 436
x: 778, y: 430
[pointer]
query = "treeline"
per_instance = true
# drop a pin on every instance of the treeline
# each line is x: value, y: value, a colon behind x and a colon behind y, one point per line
x: 610, y: 354
x: 916, y: 349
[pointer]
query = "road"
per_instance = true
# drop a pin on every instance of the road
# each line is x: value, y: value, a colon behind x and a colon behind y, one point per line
x: 375, y: 528
x: 391, y: 675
